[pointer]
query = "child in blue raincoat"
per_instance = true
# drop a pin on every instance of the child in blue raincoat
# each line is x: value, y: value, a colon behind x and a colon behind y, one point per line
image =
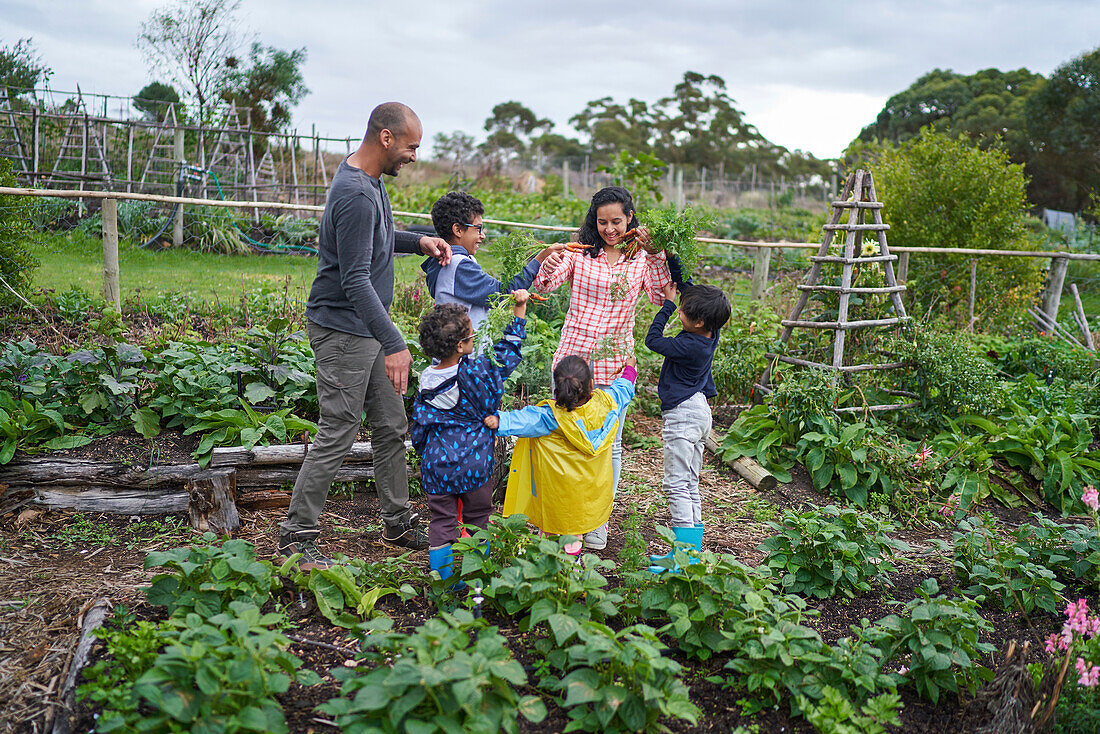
x: 455, y: 447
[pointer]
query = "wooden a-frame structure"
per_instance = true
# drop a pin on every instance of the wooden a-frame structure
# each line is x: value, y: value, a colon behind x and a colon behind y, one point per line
x: 857, y: 200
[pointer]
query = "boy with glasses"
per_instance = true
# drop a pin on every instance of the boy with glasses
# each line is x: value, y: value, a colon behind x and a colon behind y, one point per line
x: 456, y: 393
x: 457, y: 219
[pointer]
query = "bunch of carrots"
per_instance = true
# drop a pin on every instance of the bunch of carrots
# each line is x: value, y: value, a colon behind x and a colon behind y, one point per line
x: 630, y: 238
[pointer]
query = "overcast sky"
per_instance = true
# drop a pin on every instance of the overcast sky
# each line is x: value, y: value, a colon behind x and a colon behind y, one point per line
x: 809, y: 75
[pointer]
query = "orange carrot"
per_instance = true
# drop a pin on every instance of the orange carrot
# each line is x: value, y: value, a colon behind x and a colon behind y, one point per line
x: 537, y: 297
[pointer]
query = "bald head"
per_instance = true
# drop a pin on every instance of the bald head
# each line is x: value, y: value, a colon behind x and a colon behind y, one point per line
x: 392, y: 116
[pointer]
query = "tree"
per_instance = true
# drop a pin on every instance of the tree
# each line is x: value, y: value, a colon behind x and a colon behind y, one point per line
x: 153, y: 101
x: 986, y: 106
x: 700, y: 125
x: 1063, y: 122
x: 16, y: 261
x: 270, y: 86
x: 612, y: 127
x: 510, y: 128
x: 194, y: 43
x: 940, y: 190
x: 21, y: 69
x: 458, y: 147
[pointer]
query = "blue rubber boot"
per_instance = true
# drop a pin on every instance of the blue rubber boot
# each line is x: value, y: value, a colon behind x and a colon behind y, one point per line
x: 656, y: 559
x: 442, y: 559
x: 692, y: 536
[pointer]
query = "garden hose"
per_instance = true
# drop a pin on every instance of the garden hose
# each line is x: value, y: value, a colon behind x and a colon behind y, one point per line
x: 256, y: 245
x: 180, y: 181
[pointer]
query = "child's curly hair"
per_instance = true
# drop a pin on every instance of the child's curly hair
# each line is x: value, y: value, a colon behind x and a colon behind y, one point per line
x: 455, y: 207
x: 442, y: 328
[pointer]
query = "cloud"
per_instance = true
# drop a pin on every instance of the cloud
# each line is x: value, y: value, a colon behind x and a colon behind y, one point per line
x: 808, y: 74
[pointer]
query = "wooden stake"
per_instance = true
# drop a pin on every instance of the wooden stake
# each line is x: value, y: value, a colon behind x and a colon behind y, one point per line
x: 760, y: 267
x: 1052, y: 296
x: 112, y: 293
x: 973, y: 293
x: 212, y: 502
x: 1081, y: 320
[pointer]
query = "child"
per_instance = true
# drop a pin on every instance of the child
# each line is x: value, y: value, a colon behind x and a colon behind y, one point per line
x: 455, y: 447
x: 561, y: 475
x: 457, y: 219
x: 683, y: 387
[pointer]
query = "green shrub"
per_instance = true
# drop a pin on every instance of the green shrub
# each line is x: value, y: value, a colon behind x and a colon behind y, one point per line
x: 827, y: 550
x: 936, y: 640
x: 942, y: 191
x: 835, y: 714
x: 998, y: 570
x: 741, y: 355
x: 947, y: 372
x: 453, y: 674
x: 16, y: 261
x: 613, y: 681
x: 1039, y: 355
x: 207, y: 578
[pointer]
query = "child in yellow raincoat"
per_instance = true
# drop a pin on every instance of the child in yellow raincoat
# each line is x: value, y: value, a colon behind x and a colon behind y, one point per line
x: 561, y: 475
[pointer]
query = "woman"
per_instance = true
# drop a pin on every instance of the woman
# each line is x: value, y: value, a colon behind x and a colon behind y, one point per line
x: 604, y: 289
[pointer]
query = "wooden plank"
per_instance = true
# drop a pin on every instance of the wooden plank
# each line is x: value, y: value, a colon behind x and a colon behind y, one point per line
x: 858, y: 227
x: 284, y: 454
x: 876, y: 408
x: 843, y: 368
x: 852, y: 260
x: 96, y: 614
x: 112, y: 499
x: 840, y: 289
x: 840, y: 326
x: 857, y: 204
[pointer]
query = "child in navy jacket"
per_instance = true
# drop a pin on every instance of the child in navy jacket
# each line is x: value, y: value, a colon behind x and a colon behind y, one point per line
x: 684, y: 386
x: 455, y: 395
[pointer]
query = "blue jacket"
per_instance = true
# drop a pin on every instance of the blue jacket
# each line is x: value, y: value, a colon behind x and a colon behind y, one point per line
x: 464, y: 282
x: 455, y: 446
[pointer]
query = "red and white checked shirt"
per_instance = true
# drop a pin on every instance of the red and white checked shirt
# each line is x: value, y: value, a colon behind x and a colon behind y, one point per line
x: 598, y: 324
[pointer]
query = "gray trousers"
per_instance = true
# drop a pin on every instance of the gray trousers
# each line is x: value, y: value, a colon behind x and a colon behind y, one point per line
x: 683, y: 431
x: 351, y: 378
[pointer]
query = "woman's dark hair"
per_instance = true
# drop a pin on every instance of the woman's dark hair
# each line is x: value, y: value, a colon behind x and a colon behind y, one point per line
x: 572, y: 382
x: 589, y: 233
x: 706, y: 303
x: 456, y: 207
x: 442, y: 329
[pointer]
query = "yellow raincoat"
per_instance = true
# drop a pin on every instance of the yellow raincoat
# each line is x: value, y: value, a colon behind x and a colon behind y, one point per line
x: 561, y: 467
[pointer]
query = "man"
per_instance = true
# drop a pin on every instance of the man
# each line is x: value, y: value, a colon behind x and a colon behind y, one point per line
x: 362, y: 360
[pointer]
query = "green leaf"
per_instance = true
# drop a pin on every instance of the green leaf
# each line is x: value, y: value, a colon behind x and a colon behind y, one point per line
x: 146, y: 422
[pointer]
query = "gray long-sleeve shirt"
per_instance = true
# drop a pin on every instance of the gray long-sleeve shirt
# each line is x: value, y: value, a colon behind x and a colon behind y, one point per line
x: 353, y: 289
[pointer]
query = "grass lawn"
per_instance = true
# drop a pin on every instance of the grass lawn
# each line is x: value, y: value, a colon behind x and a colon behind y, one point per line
x: 76, y: 260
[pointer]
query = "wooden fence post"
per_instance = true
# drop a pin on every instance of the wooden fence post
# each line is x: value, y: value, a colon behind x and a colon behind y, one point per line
x: 903, y: 267
x: 1082, y: 320
x: 565, y: 178
x: 1052, y: 296
x: 111, y: 291
x: 760, y: 268
x: 680, y: 189
x: 177, y: 225
x: 973, y: 293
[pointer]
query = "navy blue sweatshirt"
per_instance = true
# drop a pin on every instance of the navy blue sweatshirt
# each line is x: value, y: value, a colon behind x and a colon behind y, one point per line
x: 688, y: 357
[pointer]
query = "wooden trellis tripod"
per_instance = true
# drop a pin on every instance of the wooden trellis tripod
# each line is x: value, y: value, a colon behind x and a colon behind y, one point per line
x: 857, y: 199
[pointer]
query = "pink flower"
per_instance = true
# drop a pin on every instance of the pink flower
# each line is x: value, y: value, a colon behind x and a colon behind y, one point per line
x: 1052, y: 643
x: 950, y: 506
x: 923, y: 455
x: 1091, y: 498
x: 1089, y: 673
x: 903, y: 670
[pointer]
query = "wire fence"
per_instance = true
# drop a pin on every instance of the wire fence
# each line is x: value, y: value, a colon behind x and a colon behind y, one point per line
x: 157, y: 222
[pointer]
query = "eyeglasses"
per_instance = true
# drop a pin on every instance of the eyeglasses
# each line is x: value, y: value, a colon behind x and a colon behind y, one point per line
x: 468, y: 338
x: 479, y: 227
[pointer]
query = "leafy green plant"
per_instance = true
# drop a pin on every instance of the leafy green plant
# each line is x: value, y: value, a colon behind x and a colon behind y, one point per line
x: 24, y: 424
x: 206, y: 578
x: 835, y: 714
x: 1071, y: 551
x: 131, y: 649
x: 16, y: 261
x: 341, y: 587
x: 640, y: 173
x: 936, y: 640
x: 453, y: 674
x: 235, y: 660
x: 742, y: 350
x: 837, y: 459
x: 675, y: 232
x: 613, y: 681
x: 541, y: 581
x: 823, y: 551
x: 245, y: 427
x: 105, y: 382
x: 999, y: 570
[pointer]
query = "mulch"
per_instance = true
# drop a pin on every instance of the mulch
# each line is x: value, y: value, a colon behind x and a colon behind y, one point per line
x: 45, y: 583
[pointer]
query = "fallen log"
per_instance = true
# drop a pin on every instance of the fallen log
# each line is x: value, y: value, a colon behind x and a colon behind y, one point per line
x: 292, y: 453
x: 749, y: 469
x: 93, y: 619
